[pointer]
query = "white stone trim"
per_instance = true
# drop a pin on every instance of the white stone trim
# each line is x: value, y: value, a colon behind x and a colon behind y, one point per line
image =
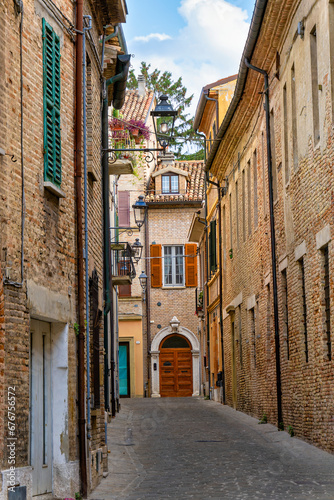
x: 171, y: 170
x: 267, y: 279
x: 283, y: 264
x: 155, y: 352
x: 323, y: 237
x: 251, y: 302
x: 300, y: 251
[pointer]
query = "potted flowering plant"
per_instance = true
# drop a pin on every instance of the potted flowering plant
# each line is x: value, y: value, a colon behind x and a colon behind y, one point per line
x: 116, y: 124
x: 138, y: 129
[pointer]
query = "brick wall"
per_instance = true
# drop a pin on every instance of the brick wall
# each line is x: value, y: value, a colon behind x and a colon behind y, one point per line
x: 303, y: 223
x: 169, y: 226
x: 50, y: 221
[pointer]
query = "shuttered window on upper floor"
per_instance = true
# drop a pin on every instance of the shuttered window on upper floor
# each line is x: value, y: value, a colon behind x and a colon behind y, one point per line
x: 173, y: 265
x: 213, y: 247
x: 51, y: 105
x: 124, y: 208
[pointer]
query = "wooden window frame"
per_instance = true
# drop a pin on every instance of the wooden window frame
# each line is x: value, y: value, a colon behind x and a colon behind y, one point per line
x: 169, y: 176
x: 173, y: 256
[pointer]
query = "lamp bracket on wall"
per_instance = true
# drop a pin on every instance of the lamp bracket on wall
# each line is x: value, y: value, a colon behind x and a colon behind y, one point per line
x: 113, y: 157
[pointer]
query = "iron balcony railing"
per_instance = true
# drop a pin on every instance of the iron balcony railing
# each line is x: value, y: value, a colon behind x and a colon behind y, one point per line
x: 199, y: 301
x: 122, y: 265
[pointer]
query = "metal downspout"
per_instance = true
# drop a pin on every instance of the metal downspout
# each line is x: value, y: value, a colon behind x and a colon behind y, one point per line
x: 115, y: 224
x: 273, y: 242
x: 86, y: 217
x: 221, y: 288
x: 108, y: 296
x: 81, y: 303
x: 217, y: 110
x: 147, y: 305
x: 106, y: 239
x: 207, y: 285
x: 207, y: 266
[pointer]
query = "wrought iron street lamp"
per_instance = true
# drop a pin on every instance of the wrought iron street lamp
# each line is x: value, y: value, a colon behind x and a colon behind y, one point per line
x: 143, y: 281
x: 163, y: 120
x: 137, y: 250
x: 140, y: 211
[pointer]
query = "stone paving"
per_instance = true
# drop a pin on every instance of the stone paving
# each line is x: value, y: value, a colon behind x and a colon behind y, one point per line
x: 189, y: 448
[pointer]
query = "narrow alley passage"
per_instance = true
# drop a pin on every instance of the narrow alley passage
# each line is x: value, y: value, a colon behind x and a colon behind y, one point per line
x: 184, y: 448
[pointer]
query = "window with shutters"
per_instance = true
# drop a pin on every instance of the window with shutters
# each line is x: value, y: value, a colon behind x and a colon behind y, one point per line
x: 173, y: 265
x: 51, y: 105
x: 124, y: 208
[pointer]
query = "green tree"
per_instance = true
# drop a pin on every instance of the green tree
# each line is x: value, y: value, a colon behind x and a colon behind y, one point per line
x: 163, y: 83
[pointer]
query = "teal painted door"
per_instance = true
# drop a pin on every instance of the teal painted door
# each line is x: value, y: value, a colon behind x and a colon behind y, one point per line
x: 124, y: 374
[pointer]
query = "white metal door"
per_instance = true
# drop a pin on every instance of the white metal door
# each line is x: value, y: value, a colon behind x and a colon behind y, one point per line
x: 41, y: 418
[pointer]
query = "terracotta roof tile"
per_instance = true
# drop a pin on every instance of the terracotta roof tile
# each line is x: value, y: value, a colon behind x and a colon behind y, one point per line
x: 136, y: 107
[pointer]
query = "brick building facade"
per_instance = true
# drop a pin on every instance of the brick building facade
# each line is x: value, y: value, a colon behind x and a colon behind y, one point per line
x: 175, y: 192
x: 39, y: 251
x: 285, y: 373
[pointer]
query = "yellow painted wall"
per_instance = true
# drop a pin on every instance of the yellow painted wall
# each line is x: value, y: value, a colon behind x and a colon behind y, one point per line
x: 131, y: 331
x: 225, y: 94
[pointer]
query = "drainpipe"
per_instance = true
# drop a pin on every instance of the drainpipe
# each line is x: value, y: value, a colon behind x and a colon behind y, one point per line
x: 86, y: 218
x: 115, y: 224
x: 207, y: 286
x: 108, y: 302
x: 81, y: 299
x: 273, y: 243
x: 221, y: 288
x: 207, y: 267
x: 217, y: 115
x: 220, y: 245
x: 108, y: 295
x: 147, y: 295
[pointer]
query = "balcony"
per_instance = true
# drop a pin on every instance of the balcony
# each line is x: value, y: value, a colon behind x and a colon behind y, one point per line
x: 199, y: 302
x: 122, y: 266
x: 120, y: 162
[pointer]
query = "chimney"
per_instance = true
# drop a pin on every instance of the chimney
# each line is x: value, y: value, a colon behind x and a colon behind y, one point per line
x: 166, y: 159
x: 141, y: 86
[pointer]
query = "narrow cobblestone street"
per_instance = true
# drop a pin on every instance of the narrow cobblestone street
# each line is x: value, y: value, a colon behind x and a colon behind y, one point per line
x: 184, y: 448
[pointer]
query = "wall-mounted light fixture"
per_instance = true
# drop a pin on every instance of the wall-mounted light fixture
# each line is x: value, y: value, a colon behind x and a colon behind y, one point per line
x: 140, y: 211
x: 137, y: 250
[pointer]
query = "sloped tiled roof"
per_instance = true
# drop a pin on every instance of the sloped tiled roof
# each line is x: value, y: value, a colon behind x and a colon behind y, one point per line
x: 195, y: 183
x: 136, y: 107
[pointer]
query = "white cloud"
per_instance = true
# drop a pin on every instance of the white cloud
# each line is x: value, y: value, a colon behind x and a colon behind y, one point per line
x: 152, y: 36
x: 207, y: 48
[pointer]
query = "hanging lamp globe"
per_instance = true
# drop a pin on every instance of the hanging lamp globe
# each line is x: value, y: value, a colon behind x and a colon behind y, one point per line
x: 137, y: 250
x: 143, y: 280
x: 163, y: 120
x: 140, y: 211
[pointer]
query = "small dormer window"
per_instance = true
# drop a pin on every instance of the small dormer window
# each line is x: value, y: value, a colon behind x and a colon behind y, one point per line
x: 170, y: 184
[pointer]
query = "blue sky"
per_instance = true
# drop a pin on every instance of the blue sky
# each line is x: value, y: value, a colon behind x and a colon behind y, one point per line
x: 200, y: 40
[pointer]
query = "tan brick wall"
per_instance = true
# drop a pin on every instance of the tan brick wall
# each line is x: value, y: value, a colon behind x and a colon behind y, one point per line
x: 303, y: 208
x: 50, y: 223
x: 169, y: 226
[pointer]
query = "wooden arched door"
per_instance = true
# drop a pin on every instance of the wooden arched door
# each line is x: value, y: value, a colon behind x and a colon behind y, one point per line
x: 175, y: 364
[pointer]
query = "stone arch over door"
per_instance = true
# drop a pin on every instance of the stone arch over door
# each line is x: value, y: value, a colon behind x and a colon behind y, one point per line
x: 155, y: 352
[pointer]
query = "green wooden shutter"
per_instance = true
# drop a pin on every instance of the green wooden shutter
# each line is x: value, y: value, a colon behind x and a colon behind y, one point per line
x: 51, y: 103
x: 213, y: 247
